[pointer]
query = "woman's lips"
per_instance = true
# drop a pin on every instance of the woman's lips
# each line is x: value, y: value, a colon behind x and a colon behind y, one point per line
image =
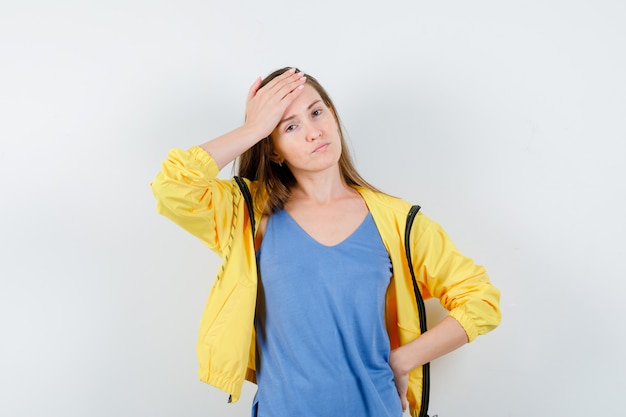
x: 321, y: 148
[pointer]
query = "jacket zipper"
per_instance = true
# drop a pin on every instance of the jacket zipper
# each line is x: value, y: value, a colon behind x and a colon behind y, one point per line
x: 421, y: 308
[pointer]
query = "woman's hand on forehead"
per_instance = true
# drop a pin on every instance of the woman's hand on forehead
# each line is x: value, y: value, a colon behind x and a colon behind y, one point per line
x: 265, y: 106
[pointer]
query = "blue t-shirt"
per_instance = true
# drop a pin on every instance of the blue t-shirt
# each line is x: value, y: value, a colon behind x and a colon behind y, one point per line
x: 322, y: 345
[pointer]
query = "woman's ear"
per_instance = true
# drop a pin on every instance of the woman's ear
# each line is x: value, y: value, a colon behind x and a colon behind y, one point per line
x: 274, y: 156
x: 277, y: 159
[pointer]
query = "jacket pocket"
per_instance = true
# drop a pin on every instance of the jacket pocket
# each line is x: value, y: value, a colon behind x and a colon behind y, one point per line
x: 407, y: 335
x: 228, y: 314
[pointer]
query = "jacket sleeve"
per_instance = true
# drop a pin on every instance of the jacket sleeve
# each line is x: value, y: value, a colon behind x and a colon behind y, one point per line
x: 189, y: 194
x: 463, y: 288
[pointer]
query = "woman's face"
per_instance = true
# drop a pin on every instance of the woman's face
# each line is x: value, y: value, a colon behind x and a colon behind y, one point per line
x: 307, y: 137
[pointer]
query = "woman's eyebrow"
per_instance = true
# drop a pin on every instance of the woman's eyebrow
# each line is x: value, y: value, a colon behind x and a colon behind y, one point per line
x: 286, y: 119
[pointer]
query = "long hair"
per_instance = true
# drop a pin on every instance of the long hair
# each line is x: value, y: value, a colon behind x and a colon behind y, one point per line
x: 275, y: 181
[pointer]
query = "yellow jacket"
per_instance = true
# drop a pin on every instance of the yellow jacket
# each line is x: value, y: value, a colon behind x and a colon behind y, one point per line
x: 188, y: 193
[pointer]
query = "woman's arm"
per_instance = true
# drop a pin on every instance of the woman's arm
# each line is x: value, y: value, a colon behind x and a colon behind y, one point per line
x: 264, y: 109
x: 462, y: 287
x: 187, y: 190
x: 443, y: 338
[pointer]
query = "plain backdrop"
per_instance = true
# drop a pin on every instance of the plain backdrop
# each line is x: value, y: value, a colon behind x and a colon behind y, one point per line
x: 505, y: 120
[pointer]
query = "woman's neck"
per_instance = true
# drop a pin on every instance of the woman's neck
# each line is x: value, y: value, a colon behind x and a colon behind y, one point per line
x: 321, y: 188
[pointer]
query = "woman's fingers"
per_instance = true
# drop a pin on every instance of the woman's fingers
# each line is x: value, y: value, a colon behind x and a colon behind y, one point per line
x: 269, y: 87
x: 293, y: 93
x: 402, y: 385
x: 284, y: 84
x: 254, y: 88
x: 400, y: 378
x: 285, y: 76
x: 291, y: 85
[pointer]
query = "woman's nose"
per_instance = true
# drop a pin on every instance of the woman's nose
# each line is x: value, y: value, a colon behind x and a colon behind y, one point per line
x: 313, y: 133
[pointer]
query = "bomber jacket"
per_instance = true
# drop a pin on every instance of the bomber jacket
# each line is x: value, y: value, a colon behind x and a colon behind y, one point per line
x: 189, y: 193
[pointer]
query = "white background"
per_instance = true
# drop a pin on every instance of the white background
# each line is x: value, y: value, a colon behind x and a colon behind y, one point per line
x: 505, y: 120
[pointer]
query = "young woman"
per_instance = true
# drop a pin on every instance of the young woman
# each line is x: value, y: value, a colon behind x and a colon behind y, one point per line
x: 318, y: 307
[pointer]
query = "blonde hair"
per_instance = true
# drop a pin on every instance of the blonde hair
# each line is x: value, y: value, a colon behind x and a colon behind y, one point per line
x: 275, y: 180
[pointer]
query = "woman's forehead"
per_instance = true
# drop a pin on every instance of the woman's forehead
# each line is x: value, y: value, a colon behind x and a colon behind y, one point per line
x: 308, y: 97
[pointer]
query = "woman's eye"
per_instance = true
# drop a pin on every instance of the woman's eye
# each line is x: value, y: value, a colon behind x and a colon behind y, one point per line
x: 317, y: 112
x: 290, y: 128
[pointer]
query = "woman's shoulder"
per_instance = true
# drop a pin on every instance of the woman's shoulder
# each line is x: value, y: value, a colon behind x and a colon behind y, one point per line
x: 392, y: 211
x: 378, y: 200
